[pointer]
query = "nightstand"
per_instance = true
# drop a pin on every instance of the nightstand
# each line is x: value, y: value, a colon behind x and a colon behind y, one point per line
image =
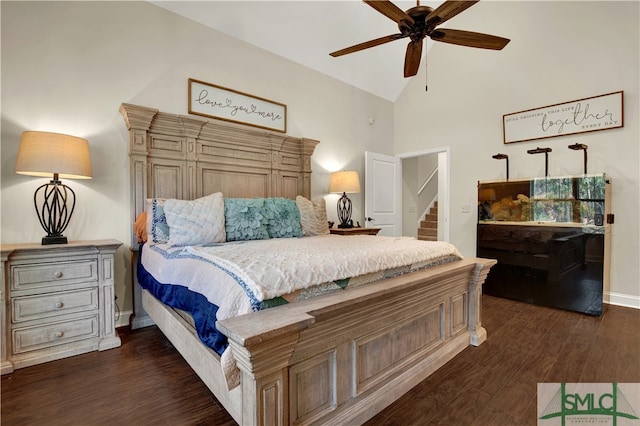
x: 56, y: 301
x: 354, y: 231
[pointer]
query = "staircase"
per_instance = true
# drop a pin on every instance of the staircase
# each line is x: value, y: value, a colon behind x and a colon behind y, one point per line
x: 428, y: 230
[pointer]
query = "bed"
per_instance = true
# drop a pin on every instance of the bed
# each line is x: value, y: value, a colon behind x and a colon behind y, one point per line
x: 338, y: 358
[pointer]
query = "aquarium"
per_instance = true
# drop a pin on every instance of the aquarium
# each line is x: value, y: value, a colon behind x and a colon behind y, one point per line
x: 557, y: 199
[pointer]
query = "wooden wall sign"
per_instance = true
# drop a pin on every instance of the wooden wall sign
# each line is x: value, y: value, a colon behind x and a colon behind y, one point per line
x: 601, y: 112
x: 210, y: 100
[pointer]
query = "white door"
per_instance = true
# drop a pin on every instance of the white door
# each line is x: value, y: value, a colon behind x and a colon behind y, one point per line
x: 383, y: 193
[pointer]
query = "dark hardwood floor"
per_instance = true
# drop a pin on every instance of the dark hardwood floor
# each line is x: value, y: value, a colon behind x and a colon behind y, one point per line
x: 146, y: 382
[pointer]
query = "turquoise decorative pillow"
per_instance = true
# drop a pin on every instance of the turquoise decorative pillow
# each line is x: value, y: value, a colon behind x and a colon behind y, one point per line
x: 283, y: 218
x: 157, y: 227
x: 245, y: 219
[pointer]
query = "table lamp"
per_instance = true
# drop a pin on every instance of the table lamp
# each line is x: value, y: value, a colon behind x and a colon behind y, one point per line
x: 345, y: 181
x: 57, y: 156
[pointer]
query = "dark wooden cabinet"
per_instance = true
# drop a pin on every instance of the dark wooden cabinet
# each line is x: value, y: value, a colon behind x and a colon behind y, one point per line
x: 551, y: 238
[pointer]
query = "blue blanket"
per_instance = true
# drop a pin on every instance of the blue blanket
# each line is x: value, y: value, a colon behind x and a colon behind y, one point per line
x: 179, y: 297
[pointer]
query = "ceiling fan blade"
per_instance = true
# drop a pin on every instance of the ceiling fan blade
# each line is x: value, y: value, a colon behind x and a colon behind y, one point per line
x: 412, y: 58
x: 469, y: 38
x: 367, y: 44
x: 390, y: 10
x: 448, y: 10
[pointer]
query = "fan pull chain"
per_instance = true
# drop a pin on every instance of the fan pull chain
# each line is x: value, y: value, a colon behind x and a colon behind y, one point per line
x: 426, y: 69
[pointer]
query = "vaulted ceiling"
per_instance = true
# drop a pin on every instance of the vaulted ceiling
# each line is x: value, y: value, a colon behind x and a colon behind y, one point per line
x: 306, y: 32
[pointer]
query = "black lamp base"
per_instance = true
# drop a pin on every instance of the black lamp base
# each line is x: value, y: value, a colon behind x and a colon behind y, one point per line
x: 344, y: 212
x: 54, y: 239
x: 54, y: 203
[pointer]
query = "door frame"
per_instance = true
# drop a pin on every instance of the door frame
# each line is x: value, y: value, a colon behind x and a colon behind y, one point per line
x: 444, y: 186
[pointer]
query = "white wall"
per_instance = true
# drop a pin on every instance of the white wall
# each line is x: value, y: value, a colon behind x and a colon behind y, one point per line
x: 67, y: 67
x: 559, y: 51
x: 410, y: 186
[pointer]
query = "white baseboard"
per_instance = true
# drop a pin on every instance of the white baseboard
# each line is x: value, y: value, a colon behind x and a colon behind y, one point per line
x: 620, y: 299
x: 141, y: 322
x: 123, y: 319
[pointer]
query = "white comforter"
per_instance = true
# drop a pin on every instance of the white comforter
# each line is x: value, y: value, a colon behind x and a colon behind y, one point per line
x: 278, y: 266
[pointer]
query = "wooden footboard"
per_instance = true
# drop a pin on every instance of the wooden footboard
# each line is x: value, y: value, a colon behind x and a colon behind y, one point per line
x: 342, y: 358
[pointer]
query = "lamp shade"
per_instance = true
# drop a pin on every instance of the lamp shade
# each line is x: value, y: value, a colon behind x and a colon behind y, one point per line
x: 346, y: 181
x: 487, y: 194
x: 45, y: 154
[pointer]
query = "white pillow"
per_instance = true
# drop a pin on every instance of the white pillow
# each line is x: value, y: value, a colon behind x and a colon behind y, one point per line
x: 198, y: 221
x: 313, y: 216
x: 157, y: 228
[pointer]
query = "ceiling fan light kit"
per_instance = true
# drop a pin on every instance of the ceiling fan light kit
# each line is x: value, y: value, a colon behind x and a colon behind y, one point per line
x: 421, y: 21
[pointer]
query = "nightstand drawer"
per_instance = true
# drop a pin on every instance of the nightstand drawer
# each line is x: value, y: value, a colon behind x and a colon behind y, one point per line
x: 28, y: 308
x: 53, y: 334
x: 29, y: 276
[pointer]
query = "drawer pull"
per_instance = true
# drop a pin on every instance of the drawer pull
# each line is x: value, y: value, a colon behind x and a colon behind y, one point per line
x: 58, y: 274
x: 59, y: 334
x: 59, y: 305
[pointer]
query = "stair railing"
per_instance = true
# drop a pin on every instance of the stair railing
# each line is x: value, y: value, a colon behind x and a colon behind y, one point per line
x: 426, y: 182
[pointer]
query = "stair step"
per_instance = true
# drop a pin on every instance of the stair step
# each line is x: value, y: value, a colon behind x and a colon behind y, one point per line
x: 431, y: 217
x: 427, y: 232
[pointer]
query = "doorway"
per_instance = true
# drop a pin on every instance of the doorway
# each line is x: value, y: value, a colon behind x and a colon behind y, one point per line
x: 425, y: 177
x: 387, y: 200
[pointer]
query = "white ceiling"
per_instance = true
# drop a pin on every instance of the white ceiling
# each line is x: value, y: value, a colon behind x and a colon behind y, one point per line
x: 306, y: 31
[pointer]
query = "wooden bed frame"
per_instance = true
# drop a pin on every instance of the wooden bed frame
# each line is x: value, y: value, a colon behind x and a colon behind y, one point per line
x: 336, y: 359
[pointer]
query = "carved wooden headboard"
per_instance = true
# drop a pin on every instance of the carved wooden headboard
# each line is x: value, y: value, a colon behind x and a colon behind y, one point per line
x: 178, y: 156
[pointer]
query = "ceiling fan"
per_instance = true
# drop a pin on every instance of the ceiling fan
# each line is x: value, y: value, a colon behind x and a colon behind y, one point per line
x: 420, y: 22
